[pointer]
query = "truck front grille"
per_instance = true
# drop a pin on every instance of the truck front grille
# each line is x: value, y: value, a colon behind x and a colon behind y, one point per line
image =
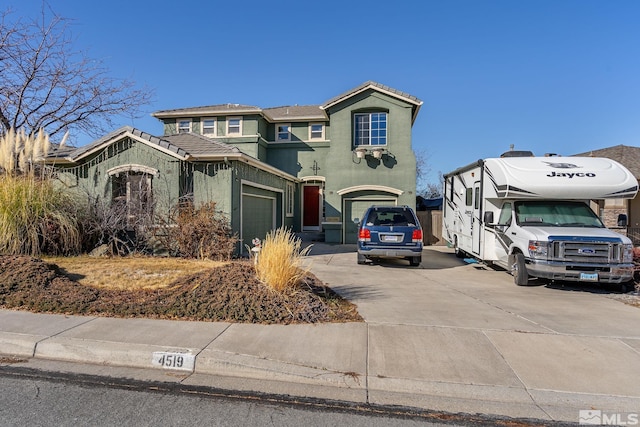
x: 586, y: 252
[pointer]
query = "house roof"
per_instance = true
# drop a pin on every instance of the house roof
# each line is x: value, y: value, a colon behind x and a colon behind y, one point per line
x: 200, y: 146
x: 292, y: 112
x: 144, y: 137
x: 295, y: 112
x: 184, y: 146
x: 371, y: 85
x: 210, y: 110
x: 623, y: 154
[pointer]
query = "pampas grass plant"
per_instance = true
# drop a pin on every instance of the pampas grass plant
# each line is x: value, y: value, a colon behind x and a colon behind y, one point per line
x: 279, y: 264
x: 35, y: 216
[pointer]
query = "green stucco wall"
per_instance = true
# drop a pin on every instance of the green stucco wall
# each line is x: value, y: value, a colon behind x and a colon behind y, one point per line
x: 91, y: 175
x: 396, y: 168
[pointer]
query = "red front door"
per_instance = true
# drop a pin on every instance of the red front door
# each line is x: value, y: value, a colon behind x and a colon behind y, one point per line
x: 311, y: 206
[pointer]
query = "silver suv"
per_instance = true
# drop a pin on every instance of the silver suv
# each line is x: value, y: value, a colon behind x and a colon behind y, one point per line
x: 389, y: 232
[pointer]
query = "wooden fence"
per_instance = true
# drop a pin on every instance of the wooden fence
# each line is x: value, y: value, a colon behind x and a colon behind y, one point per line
x: 431, y: 222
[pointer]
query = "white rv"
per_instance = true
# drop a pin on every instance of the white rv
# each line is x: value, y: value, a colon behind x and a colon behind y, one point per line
x: 531, y: 216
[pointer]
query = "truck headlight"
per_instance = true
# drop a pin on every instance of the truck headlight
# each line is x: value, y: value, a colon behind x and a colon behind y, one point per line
x: 627, y: 253
x: 538, y: 249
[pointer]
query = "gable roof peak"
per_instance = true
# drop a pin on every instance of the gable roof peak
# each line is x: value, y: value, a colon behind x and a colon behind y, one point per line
x: 371, y: 85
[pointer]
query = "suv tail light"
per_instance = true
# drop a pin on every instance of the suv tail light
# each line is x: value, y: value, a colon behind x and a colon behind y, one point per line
x: 416, y: 236
x: 364, y: 235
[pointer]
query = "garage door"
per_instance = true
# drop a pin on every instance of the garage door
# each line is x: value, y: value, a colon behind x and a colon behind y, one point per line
x: 354, y: 208
x: 258, y: 217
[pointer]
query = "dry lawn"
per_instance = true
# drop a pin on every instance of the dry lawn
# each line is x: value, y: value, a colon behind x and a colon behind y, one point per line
x: 164, y: 288
x: 129, y: 273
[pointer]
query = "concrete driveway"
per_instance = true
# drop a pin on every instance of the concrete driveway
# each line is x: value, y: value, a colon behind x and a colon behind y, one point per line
x: 470, y: 327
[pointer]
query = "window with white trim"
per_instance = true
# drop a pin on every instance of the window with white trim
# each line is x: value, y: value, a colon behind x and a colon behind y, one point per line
x: 184, y: 126
x: 289, y: 199
x: 208, y: 126
x: 370, y: 129
x: 234, y: 126
x: 316, y: 131
x: 283, y: 132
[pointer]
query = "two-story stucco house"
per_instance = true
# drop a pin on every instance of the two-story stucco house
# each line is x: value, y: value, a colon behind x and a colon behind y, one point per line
x: 311, y: 168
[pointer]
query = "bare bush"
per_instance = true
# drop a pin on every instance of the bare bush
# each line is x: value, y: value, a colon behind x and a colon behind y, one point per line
x: 114, y: 225
x: 202, y: 233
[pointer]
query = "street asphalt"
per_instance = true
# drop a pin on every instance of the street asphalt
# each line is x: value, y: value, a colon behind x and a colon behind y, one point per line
x: 446, y: 336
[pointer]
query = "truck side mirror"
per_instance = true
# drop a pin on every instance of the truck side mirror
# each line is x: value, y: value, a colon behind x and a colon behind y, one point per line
x: 488, y: 217
x: 622, y: 220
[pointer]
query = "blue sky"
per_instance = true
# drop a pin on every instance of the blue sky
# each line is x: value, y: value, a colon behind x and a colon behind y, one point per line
x: 559, y: 76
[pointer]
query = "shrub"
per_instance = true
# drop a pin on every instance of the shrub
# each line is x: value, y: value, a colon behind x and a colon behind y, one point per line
x: 201, y: 233
x: 279, y: 262
x: 110, y: 224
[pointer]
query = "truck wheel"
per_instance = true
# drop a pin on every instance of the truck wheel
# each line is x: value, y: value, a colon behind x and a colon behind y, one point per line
x: 459, y: 252
x: 519, y: 270
x: 415, y: 261
x: 361, y: 259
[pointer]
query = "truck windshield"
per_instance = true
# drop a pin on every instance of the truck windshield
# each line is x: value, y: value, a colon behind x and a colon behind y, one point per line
x: 553, y: 213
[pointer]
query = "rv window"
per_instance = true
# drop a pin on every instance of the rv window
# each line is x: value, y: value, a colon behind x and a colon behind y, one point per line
x: 476, y: 203
x: 505, y: 215
x: 451, y: 188
x: 469, y: 198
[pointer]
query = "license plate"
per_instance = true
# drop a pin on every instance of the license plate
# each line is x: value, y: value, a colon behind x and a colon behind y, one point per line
x: 589, y: 277
x: 388, y: 238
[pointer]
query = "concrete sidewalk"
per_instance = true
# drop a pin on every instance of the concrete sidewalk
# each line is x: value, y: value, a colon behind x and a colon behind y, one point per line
x: 492, y: 357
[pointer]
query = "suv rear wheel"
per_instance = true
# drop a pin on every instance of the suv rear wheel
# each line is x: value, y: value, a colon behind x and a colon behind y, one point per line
x: 415, y: 261
x: 362, y: 259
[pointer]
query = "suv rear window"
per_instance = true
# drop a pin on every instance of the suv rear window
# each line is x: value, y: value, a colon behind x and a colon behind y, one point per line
x: 397, y: 217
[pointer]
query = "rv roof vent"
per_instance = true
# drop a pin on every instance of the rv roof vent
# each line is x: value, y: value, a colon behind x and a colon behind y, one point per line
x: 516, y: 153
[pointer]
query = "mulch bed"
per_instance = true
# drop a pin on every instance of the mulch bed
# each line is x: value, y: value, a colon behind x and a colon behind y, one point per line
x: 230, y: 293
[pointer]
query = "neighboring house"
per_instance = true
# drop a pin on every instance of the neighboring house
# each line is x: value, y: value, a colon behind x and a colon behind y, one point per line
x: 311, y: 168
x: 611, y: 209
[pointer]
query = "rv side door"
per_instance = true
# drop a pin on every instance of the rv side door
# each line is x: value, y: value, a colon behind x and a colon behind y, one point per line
x: 476, y: 220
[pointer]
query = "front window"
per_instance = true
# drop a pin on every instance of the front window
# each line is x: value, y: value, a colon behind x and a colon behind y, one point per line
x: 184, y: 126
x: 209, y: 127
x: 284, y: 132
x: 234, y: 126
x: 370, y: 129
x: 131, y: 193
x: 556, y: 214
x: 316, y: 131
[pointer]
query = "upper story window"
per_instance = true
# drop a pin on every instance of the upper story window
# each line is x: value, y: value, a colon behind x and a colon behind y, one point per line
x: 209, y: 126
x: 316, y: 131
x: 283, y: 132
x: 234, y: 126
x: 184, y: 126
x: 370, y: 129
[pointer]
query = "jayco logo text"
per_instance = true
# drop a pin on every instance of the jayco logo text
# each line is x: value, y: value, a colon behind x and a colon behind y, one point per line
x: 572, y: 174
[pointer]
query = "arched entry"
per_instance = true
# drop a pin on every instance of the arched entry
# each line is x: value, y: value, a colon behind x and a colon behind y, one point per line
x: 312, y: 203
